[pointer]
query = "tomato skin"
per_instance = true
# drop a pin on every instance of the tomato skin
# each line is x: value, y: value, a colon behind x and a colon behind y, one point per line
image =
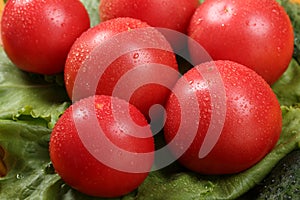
x: 146, y: 95
x: 1, y: 10
x: 78, y: 167
x: 257, y: 34
x: 37, y: 35
x: 172, y: 14
x: 252, y: 123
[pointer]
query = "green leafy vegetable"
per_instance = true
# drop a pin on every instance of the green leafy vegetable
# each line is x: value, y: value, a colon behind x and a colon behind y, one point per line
x: 23, y: 95
x: 92, y: 8
x: 284, y: 181
x: 287, y: 87
x: 26, y: 158
x: 29, y: 107
x: 292, y: 8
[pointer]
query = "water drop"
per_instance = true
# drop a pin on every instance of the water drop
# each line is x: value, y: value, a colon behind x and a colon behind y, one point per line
x: 19, y: 176
x: 275, y: 11
x: 278, y: 49
x: 199, y: 21
x: 136, y: 56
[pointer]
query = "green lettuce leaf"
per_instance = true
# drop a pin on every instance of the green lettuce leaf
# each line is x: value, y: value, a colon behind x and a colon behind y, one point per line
x: 26, y: 157
x: 92, y: 8
x: 29, y: 107
x: 287, y: 87
x: 293, y: 10
x: 26, y: 95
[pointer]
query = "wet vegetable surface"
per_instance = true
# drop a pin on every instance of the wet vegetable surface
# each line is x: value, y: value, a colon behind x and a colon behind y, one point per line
x: 31, y: 104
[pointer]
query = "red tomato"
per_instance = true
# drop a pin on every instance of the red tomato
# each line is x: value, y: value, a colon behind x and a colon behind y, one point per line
x: 172, y: 14
x: 37, y: 35
x: 141, y: 62
x: 257, y: 34
x: 1, y: 10
x: 76, y: 146
x: 252, y: 118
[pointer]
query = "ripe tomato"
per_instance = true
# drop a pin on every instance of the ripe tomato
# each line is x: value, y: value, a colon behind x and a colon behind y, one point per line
x: 37, y: 35
x: 139, y: 64
x: 1, y: 10
x: 252, y: 118
x: 257, y: 34
x: 95, y: 161
x: 172, y: 14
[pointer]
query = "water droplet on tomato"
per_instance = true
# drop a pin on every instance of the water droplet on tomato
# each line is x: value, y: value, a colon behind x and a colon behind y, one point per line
x: 275, y: 11
x: 136, y: 56
x: 278, y: 49
x: 135, y: 6
x: 199, y: 21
